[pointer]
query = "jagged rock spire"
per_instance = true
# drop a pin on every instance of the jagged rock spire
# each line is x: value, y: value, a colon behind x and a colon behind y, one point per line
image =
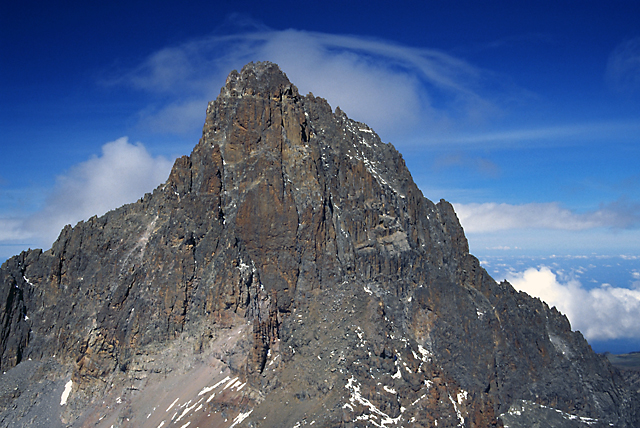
x: 259, y: 79
x: 290, y: 258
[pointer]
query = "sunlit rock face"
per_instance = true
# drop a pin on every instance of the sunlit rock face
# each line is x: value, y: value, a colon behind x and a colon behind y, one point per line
x: 288, y: 273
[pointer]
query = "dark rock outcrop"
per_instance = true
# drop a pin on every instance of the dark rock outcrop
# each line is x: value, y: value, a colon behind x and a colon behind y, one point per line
x: 289, y: 272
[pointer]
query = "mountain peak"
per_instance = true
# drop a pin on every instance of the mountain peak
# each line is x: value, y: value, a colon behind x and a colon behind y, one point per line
x: 259, y: 79
x: 289, y: 272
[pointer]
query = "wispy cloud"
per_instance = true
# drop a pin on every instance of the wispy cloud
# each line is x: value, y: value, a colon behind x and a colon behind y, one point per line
x: 392, y: 87
x: 481, y: 165
x: 623, y: 67
x: 601, y: 313
x: 121, y: 174
x: 180, y: 117
x: 409, y: 95
x: 493, y: 217
x: 571, y: 133
x: 11, y: 229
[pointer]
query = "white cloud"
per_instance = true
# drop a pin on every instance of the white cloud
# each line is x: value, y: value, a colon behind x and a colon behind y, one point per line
x: 485, y: 167
x: 548, y: 241
x: 492, y: 217
x: 163, y: 71
x: 623, y: 67
x: 391, y: 87
x: 123, y: 173
x: 577, y: 133
x: 600, y: 313
x: 408, y: 95
x: 177, y: 118
x: 11, y: 229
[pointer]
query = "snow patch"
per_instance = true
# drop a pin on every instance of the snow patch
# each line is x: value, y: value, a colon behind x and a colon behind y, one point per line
x: 426, y: 355
x: 241, y: 417
x: 522, y: 406
x: 172, y: 404
x: 66, y: 392
x: 206, y: 389
x: 420, y: 398
x: 274, y: 359
x: 187, y: 410
x: 458, y: 412
x: 375, y: 413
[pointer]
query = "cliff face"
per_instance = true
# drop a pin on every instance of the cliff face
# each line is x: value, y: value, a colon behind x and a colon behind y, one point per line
x: 289, y: 272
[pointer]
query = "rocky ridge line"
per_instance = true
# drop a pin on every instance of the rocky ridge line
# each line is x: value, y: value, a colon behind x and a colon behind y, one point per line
x: 293, y: 252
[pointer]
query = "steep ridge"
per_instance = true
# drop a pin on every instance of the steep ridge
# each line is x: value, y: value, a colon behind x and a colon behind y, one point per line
x: 288, y: 273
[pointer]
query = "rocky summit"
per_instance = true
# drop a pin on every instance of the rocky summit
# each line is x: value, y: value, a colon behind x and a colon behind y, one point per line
x: 289, y: 273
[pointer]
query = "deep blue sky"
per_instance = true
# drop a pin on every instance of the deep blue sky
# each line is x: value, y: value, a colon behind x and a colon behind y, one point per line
x: 525, y: 115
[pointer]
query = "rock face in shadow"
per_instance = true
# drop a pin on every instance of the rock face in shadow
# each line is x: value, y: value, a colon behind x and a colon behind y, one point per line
x: 292, y: 252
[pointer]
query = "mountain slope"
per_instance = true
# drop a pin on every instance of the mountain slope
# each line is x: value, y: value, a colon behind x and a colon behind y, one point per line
x: 289, y: 272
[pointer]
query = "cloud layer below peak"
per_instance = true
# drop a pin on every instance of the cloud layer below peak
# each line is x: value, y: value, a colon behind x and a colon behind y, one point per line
x: 601, y: 313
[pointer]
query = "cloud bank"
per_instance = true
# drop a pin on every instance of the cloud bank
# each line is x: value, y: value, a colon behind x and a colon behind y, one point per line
x: 123, y: 173
x: 493, y: 217
x: 601, y: 313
